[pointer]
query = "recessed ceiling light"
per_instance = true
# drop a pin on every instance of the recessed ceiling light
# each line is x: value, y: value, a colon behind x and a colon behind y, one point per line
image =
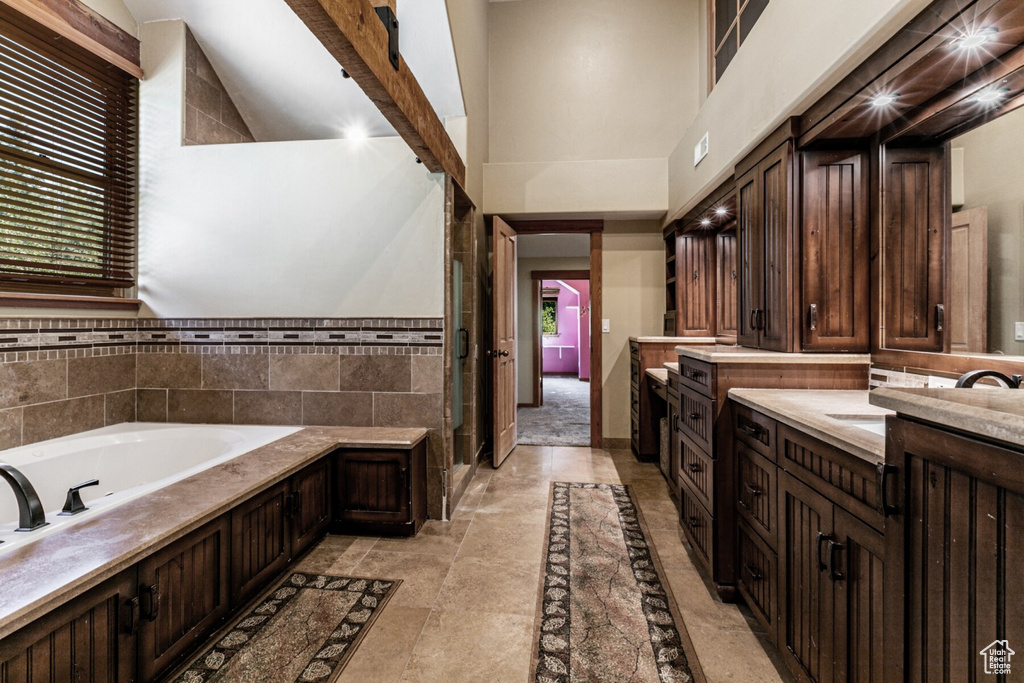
x: 885, y: 99
x: 356, y: 132
x: 991, y: 95
x: 705, y: 222
x: 721, y: 211
x: 972, y: 41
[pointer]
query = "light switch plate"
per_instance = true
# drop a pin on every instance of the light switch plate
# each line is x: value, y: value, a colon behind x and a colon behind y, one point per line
x: 942, y: 382
x: 606, y: 325
x: 1018, y: 332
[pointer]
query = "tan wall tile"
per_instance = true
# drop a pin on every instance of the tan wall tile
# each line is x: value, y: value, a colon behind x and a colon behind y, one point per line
x: 342, y: 409
x: 203, y: 95
x: 10, y: 428
x: 235, y: 371
x: 268, y: 407
x: 407, y: 410
x: 169, y: 370
x: 151, y: 405
x: 119, y: 407
x: 428, y: 374
x: 376, y: 373
x: 199, y: 406
x: 60, y: 418
x: 33, y: 382
x: 100, y: 374
x: 304, y: 372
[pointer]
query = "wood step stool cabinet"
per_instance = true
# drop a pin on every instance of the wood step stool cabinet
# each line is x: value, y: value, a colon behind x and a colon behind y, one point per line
x: 382, y: 492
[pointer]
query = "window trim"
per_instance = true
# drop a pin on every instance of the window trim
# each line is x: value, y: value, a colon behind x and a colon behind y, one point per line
x: 713, y: 47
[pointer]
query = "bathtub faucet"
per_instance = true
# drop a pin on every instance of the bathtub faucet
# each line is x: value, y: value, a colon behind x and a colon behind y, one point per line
x: 30, y: 510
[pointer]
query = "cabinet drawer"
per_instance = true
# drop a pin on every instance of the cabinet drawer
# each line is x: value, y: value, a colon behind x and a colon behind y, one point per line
x: 755, y: 430
x: 697, y: 468
x: 634, y: 373
x: 756, y: 494
x: 696, y: 375
x: 634, y: 350
x: 697, y: 419
x: 757, y: 578
x: 698, y: 525
x: 673, y: 382
x: 634, y: 400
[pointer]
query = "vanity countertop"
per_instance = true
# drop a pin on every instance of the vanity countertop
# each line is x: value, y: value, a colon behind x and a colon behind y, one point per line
x: 659, y: 375
x: 821, y: 414
x: 673, y: 340
x: 721, y: 353
x: 43, y: 575
x: 996, y: 414
x: 672, y: 368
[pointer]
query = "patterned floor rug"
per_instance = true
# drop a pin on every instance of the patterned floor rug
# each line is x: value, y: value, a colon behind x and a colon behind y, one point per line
x: 563, y: 420
x: 605, y: 612
x: 304, y: 629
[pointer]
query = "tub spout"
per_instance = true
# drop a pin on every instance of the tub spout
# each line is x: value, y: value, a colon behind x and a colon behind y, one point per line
x: 30, y: 510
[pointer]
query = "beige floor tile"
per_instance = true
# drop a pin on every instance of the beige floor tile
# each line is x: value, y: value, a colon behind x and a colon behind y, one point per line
x: 519, y: 484
x: 385, y: 651
x: 528, y: 509
x: 631, y: 470
x: 474, y: 647
x: 733, y: 656
x: 670, y: 545
x: 467, y: 505
x: 506, y: 586
x: 422, y: 575
x: 491, y: 537
x: 650, y: 488
x: 659, y: 514
x: 336, y: 555
x: 434, y: 538
x: 699, y: 608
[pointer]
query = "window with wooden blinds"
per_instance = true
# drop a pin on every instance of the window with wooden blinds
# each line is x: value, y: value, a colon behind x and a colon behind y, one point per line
x: 67, y: 164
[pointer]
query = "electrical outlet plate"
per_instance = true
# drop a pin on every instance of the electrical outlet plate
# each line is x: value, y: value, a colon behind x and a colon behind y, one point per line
x: 1018, y: 332
x: 941, y: 382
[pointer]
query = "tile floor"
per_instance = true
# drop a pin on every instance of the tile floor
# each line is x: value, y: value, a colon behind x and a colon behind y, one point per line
x: 465, y: 609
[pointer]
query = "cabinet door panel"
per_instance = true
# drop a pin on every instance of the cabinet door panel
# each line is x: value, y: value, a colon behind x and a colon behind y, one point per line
x: 914, y: 217
x: 259, y: 540
x: 859, y: 602
x: 184, y: 596
x: 835, y: 251
x: 310, y: 509
x: 756, y: 578
x: 725, y: 300
x: 776, y: 246
x: 695, y: 281
x: 806, y: 596
x: 373, y: 486
x: 749, y: 236
x: 674, y: 447
x: 89, y: 639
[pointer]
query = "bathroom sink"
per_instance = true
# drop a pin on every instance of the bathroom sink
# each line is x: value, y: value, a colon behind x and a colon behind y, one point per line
x: 869, y: 423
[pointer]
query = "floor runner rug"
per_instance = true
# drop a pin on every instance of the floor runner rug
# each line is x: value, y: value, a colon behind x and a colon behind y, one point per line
x: 302, y: 630
x: 605, y: 610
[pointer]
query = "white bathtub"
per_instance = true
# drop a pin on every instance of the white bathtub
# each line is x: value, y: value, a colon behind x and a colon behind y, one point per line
x: 129, y: 460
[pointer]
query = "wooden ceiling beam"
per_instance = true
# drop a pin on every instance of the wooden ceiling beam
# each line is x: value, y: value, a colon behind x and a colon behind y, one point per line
x: 353, y: 35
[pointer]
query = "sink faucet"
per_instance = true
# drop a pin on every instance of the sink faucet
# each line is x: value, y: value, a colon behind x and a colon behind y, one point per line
x: 30, y: 510
x: 968, y: 379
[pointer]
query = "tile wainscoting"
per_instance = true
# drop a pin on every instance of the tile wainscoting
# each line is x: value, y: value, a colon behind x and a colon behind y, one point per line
x: 62, y: 376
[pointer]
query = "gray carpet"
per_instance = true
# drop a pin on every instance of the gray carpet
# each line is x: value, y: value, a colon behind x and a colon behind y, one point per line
x: 563, y: 420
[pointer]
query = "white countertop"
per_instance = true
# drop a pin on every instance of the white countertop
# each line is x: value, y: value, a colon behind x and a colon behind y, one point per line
x: 720, y: 353
x: 996, y: 414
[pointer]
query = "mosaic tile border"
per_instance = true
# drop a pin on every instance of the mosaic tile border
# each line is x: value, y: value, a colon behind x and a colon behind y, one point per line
x: 46, y: 339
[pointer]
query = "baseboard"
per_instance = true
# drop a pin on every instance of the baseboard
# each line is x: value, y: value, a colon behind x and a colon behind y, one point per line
x: 528, y: 405
x: 607, y: 442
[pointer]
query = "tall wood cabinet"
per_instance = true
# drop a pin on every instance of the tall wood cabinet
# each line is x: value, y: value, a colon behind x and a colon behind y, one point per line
x: 695, y: 285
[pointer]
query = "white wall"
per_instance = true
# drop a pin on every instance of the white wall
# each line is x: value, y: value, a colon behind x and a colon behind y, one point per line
x: 317, y: 228
x: 116, y: 12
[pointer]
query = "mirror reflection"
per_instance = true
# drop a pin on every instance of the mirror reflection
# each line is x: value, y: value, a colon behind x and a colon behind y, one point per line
x: 986, y: 293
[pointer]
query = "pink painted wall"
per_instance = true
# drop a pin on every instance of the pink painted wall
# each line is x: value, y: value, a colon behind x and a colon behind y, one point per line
x: 571, y: 333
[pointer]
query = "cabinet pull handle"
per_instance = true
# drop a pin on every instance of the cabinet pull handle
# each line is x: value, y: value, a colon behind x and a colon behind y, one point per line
x: 744, y: 505
x: 752, y: 430
x: 812, y: 316
x: 694, y: 416
x: 940, y: 317
x: 694, y: 522
x: 132, y: 623
x: 753, y: 319
x: 693, y: 467
x: 696, y: 375
x: 832, y: 573
x: 464, y: 343
x: 151, y: 607
x: 754, y: 490
x: 883, y: 490
x: 754, y: 574
x: 821, y: 541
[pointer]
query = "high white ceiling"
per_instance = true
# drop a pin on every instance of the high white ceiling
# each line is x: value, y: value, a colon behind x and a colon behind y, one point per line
x: 283, y: 81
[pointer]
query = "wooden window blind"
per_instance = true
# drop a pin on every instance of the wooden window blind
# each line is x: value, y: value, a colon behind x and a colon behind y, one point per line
x: 67, y: 164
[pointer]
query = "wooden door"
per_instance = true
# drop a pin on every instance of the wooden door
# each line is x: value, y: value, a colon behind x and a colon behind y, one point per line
x: 835, y: 251
x: 695, y: 284
x: 504, y: 353
x: 750, y: 264
x: 259, y: 541
x: 183, y: 596
x: 806, y: 613
x: 725, y: 290
x: 309, y: 506
x: 775, y: 321
x: 91, y: 639
x: 857, y: 560
x: 954, y: 556
x: 915, y: 211
x: 968, y: 282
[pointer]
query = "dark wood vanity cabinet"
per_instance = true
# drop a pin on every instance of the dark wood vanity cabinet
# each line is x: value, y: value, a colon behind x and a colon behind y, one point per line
x: 955, y: 554
x: 695, y: 285
x: 765, y: 247
x: 381, y: 492
x: 645, y: 421
x: 183, y: 596
x: 91, y: 638
x: 310, y: 505
x: 725, y: 289
x: 835, y: 250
